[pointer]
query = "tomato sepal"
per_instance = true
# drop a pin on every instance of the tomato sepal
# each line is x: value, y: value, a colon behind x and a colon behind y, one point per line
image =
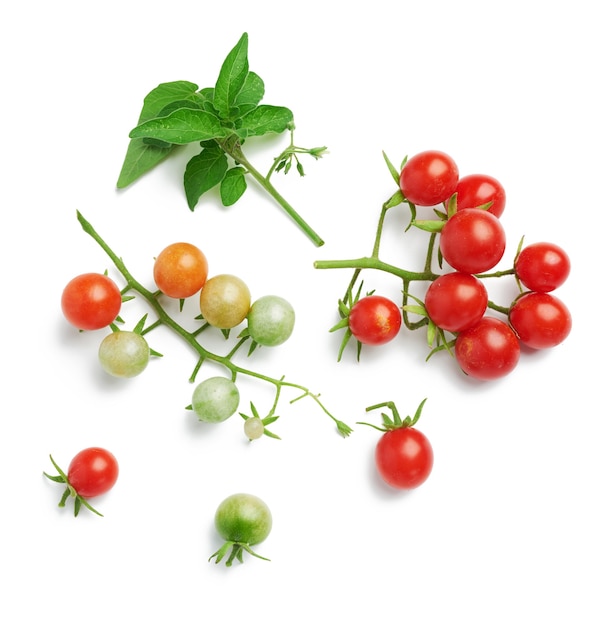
x: 69, y: 491
x: 237, y: 552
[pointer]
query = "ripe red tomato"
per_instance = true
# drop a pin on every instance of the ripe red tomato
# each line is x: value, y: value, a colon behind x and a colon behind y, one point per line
x: 91, y: 301
x: 456, y: 301
x: 374, y: 320
x: 180, y: 270
x: 540, y: 320
x: 404, y: 457
x: 472, y: 241
x: 476, y: 190
x: 429, y: 178
x: 92, y: 472
x: 542, y: 266
x: 488, y: 350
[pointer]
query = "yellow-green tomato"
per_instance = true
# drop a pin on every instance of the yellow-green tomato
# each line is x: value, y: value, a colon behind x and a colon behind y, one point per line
x: 124, y: 354
x: 215, y: 399
x: 271, y: 320
x: 224, y: 301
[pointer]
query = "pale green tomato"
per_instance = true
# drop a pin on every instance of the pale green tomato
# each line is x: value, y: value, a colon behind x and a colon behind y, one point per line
x: 271, y: 320
x: 224, y: 301
x: 124, y: 354
x: 215, y: 399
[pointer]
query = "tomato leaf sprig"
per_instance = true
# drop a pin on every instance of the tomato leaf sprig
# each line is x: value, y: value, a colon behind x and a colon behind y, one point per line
x: 192, y: 339
x: 220, y: 119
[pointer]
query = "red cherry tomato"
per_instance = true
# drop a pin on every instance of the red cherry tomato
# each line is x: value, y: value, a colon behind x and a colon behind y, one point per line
x: 429, y: 178
x: 488, y: 350
x: 404, y: 457
x: 542, y: 266
x: 91, y: 301
x: 475, y: 190
x: 92, y: 472
x: 540, y: 320
x: 456, y: 301
x: 374, y: 320
x: 472, y: 241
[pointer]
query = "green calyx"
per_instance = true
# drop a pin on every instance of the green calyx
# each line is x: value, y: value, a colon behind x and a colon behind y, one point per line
x: 395, y: 421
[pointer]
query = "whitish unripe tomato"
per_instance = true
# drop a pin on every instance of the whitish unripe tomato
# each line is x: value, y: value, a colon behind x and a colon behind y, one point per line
x: 124, y: 354
x: 215, y: 399
x: 271, y: 320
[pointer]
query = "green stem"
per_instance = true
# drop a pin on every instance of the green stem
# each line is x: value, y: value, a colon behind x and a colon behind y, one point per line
x: 235, y: 152
x: 369, y: 262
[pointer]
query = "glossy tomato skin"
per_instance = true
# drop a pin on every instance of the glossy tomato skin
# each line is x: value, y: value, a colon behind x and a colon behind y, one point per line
x: 488, y: 350
x: 92, y: 472
x: 475, y: 190
x: 472, y: 241
x: 456, y: 301
x: 91, y: 301
x: 540, y: 320
x: 542, y: 266
x: 404, y: 457
x: 429, y: 178
x: 180, y: 270
x: 374, y: 320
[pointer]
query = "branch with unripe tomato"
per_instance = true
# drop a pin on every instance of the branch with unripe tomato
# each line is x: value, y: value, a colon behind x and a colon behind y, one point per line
x: 255, y: 424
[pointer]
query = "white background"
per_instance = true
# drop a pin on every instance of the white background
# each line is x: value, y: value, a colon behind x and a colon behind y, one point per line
x: 511, y: 527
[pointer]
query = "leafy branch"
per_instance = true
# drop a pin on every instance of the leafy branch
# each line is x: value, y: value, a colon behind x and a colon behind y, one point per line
x: 220, y: 119
x: 191, y: 337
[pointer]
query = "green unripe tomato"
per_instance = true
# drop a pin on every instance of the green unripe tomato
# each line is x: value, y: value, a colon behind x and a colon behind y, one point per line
x: 124, y: 354
x: 224, y: 301
x: 271, y: 320
x: 243, y: 518
x: 215, y: 399
x: 254, y: 428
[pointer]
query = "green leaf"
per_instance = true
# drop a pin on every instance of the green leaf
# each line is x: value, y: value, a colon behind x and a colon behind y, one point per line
x: 233, y: 186
x: 265, y: 119
x: 231, y: 78
x: 250, y: 95
x: 204, y: 171
x: 141, y: 158
x: 164, y: 95
x: 143, y: 155
x: 181, y: 127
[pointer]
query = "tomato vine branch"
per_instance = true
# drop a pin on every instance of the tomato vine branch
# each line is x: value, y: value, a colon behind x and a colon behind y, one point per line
x: 191, y: 337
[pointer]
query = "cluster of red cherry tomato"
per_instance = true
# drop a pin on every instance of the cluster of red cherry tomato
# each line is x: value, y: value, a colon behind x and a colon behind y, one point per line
x: 485, y: 338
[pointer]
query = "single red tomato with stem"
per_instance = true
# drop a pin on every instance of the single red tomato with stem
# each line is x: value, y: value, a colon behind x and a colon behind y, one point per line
x: 429, y: 178
x: 91, y: 301
x: 92, y: 472
x: 541, y: 320
x: 403, y: 455
x: 488, y: 350
x: 542, y: 266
